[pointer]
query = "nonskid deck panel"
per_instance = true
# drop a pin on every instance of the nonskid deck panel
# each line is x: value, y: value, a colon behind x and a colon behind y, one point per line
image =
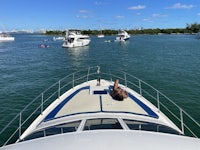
x: 98, y: 101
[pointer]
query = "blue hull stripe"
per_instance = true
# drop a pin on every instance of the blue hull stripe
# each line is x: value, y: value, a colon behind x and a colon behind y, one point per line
x: 145, y: 107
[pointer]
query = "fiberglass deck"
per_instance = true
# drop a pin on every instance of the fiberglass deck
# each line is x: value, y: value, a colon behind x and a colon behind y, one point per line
x: 91, y: 99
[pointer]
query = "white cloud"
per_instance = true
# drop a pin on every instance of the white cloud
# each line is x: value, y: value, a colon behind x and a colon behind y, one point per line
x: 138, y: 7
x: 148, y: 20
x: 97, y: 3
x: 181, y: 6
x: 154, y: 17
x: 100, y: 3
x: 119, y: 16
x: 83, y: 16
x: 158, y: 15
x: 84, y: 11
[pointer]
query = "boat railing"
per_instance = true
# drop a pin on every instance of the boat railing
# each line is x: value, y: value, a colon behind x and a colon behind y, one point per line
x: 14, y: 129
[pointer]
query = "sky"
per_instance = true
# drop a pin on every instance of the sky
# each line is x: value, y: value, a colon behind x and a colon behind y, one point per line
x: 97, y: 14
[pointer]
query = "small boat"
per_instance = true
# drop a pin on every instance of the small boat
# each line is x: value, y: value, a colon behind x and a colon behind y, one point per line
x: 6, y: 37
x: 100, y: 36
x: 80, y: 112
x: 59, y: 38
x: 122, y: 36
x: 74, y: 38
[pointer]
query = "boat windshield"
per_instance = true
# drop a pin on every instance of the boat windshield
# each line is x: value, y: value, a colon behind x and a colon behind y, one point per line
x: 102, y: 123
x: 70, y: 40
x: 58, y: 129
x: 148, y: 126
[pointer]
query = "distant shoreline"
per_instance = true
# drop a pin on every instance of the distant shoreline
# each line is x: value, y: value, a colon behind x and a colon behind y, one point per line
x: 132, y: 32
x: 190, y: 29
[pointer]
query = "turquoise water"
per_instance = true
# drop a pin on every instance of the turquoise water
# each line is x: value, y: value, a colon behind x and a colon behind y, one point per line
x: 169, y: 63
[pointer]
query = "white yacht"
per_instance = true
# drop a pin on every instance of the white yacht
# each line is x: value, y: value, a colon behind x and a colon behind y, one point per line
x: 122, y: 36
x: 74, y: 38
x: 79, y: 113
x: 6, y: 37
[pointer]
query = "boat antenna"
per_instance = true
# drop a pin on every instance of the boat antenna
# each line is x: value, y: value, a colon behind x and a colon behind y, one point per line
x: 99, y: 77
x: 98, y: 69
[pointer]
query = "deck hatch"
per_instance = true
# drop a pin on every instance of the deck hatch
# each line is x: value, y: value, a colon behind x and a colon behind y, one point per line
x: 100, y: 92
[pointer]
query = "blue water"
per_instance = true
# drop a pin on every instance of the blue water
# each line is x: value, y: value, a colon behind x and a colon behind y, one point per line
x: 170, y: 63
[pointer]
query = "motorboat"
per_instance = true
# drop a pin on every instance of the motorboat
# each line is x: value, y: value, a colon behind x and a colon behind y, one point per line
x: 74, y: 38
x: 59, y: 38
x: 100, y: 35
x: 122, y: 36
x: 6, y: 37
x: 79, y: 112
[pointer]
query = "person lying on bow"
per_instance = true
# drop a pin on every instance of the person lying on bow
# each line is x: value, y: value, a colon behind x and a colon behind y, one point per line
x: 118, y: 93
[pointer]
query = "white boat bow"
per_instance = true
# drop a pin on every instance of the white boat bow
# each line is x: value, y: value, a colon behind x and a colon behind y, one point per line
x: 79, y: 112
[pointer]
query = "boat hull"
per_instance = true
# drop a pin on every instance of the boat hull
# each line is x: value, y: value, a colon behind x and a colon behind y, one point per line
x: 4, y: 39
x: 118, y: 39
x: 67, y: 44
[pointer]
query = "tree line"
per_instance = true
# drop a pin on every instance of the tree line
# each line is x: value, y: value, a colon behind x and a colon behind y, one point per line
x: 190, y: 28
